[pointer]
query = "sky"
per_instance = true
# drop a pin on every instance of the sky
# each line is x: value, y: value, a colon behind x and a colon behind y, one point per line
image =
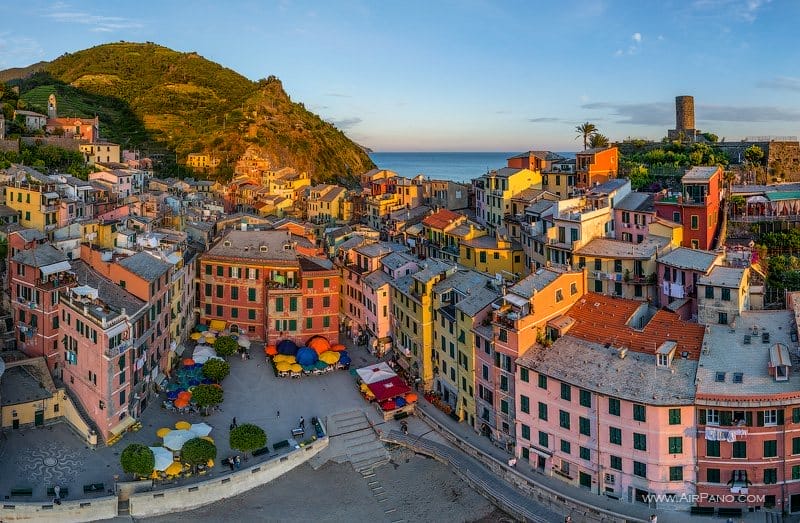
x: 470, y: 75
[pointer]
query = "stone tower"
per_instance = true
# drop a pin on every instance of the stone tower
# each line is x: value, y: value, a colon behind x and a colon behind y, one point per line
x: 684, y: 113
x: 52, y: 110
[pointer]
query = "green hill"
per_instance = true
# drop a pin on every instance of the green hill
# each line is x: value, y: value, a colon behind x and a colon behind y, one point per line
x: 163, y: 101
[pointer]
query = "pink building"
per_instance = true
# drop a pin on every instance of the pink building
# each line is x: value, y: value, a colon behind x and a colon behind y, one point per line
x: 632, y: 216
x: 119, y: 181
x: 678, y: 272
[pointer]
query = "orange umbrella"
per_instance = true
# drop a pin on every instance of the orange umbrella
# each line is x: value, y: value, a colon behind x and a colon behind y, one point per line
x: 185, y: 395
x: 319, y: 345
x: 411, y: 397
x: 271, y: 350
x: 338, y: 347
x: 181, y: 403
x: 188, y: 362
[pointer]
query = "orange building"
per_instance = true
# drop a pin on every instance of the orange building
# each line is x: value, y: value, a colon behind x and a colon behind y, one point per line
x: 266, y: 283
x: 596, y: 166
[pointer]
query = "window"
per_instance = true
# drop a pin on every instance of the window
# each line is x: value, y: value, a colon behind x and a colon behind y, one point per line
x: 563, y: 419
x: 583, y: 424
x: 220, y: 291
x: 326, y: 283
x: 251, y: 294
x: 208, y: 269
x: 676, y: 473
x: 542, y: 381
x: 326, y: 321
x: 208, y: 289
x: 796, y: 415
x: 309, y: 303
x: 543, y: 411
x: 695, y: 222
x: 279, y: 304
x: 234, y: 293
x: 526, y: 431
x: 219, y: 310
x: 309, y: 323
x: 639, y: 469
x: 525, y: 404
x: 524, y: 374
x: 770, y: 476
x: 639, y: 441
x: 122, y: 397
x: 598, y: 264
x: 292, y: 325
x: 616, y: 463
x: 676, y: 445
x: 573, y: 289
x: 482, y: 256
x: 566, y: 392
x: 234, y: 312
x: 559, y: 295
x: 219, y: 270
x: 726, y: 294
x: 739, y: 449
x: 712, y: 417
x: 617, y: 265
x: 613, y: 406
x: 712, y: 475
x: 771, y: 448
x: 709, y: 292
x: 585, y: 453
x: 309, y: 284
x: 676, y: 217
x: 566, y: 447
x: 712, y: 449
x: 585, y: 398
x: 674, y: 416
x: 598, y: 285
x: 795, y: 445
x: 614, y: 435
x: 543, y: 439
x: 251, y: 314
x: 770, y: 418
x: 639, y: 413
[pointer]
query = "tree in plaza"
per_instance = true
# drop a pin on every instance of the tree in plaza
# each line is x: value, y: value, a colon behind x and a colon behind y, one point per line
x: 598, y: 141
x: 216, y: 370
x: 198, y: 451
x: 225, y: 346
x: 206, y: 396
x: 586, y: 130
x: 137, y: 459
x: 248, y: 437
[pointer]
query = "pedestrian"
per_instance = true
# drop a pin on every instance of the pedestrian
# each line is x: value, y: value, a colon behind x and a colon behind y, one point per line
x: 238, y: 461
x: 234, y: 422
x: 568, y: 519
x: 279, y: 414
x: 653, y: 518
x: 512, y: 462
x: 302, y: 423
x: 57, y: 491
x: 230, y: 463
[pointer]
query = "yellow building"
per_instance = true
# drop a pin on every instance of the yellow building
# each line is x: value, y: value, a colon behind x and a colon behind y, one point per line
x: 380, y: 207
x: 412, y: 307
x: 459, y: 300
x: 494, y: 190
x: 667, y: 229
x: 493, y: 255
x: 201, y: 161
x: 324, y: 203
x: 37, y: 205
x: 102, y: 152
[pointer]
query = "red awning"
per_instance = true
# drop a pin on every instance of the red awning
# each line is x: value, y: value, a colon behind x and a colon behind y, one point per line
x: 389, y: 388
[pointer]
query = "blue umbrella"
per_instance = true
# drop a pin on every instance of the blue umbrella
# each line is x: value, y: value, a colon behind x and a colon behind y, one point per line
x: 287, y: 347
x: 171, y: 395
x: 201, y: 328
x: 321, y: 365
x: 194, y: 383
x: 308, y: 368
x: 345, y: 359
x: 400, y: 401
x: 306, y: 356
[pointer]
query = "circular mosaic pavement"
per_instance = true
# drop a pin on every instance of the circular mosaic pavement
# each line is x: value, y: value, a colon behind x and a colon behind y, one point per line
x: 49, y: 465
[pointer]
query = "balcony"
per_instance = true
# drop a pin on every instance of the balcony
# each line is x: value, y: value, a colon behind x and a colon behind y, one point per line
x: 119, y: 349
x: 50, y: 283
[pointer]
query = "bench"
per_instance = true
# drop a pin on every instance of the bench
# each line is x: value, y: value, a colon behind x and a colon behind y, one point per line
x: 22, y: 491
x: 51, y: 492
x: 94, y: 487
x: 261, y: 451
x: 729, y: 512
x: 701, y: 511
x: 298, y: 433
x: 280, y: 445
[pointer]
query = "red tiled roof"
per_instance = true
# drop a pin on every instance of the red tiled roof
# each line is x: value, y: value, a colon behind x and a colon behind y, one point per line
x: 441, y: 219
x: 602, y: 319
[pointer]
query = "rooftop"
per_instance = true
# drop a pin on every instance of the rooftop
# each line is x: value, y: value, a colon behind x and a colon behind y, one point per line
x: 728, y: 351
x: 441, y: 219
x: 476, y: 300
x: 603, y: 319
x: 146, y: 266
x: 607, y: 248
x: 23, y: 384
x: 374, y: 250
x: 430, y: 269
x: 610, y: 186
x: 719, y: 276
x: 463, y: 280
x: 595, y: 150
x: 396, y: 260
x: 376, y: 279
x: 700, y: 174
x: 489, y: 242
x: 107, y: 291
x: 277, y: 245
x: 636, y: 202
x: 689, y: 259
x: 598, y: 368
x: 535, y: 282
x: 40, y: 256
x: 31, y: 235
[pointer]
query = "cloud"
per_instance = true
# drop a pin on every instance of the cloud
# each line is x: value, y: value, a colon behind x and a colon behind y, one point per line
x: 22, y: 49
x: 544, y: 119
x: 746, y: 10
x: 62, y: 12
x: 339, y: 95
x: 663, y: 113
x: 344, y: 124
x: 637, y: 37
x: 785, y: 83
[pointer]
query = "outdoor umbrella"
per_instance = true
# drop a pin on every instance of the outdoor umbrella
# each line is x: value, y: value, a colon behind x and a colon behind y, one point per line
x: 181, y: 403
x: 290, y: 359
x: 201, y: 429
x: 244, y: 342
x: 163, y: 432
x: 287, y: 347
x: 177, y: 438
x: 203, y: 350
x: 321, y: 365
x: 271, y: 350
x: 174, y: 469
x: 210, y: 440
x: 183, y: 425
x: 309, y: 368
x: 279, y: 358
x: 373, y: 373
x: 196, y: 336
x: 329, y: 357
x: 201, y: 328
x: 319, y: 344
x: 201, y: 358
x: 172, y: 395
x: 283, y: 366
x: 306, y: 356
x: 188, y: 362
x: 163, y: 458
x: 296, y: 367
x: 338, y: 347
x: 344, y: 359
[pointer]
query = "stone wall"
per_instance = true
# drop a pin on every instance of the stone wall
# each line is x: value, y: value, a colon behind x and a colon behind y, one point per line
x: 9, y: 145
x: 58, y: 141
x: 69, y: 511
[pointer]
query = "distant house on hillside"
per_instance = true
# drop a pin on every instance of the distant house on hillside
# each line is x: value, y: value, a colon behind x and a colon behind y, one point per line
x: 31, y: 120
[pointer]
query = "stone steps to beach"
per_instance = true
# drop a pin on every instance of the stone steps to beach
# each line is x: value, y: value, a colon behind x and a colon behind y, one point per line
x: 353, y: 437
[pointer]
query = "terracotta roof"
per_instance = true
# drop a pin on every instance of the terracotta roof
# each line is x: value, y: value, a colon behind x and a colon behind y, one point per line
x: 441, y: 219
x: 603, y: 319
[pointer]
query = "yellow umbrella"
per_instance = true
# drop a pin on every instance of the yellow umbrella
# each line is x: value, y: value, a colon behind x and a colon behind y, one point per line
x: 210, y: 463
x: 283, y: 366
x: 279, y: 358
x: 154, y: 475
x: 207, y: 438
x: 290, y: 359
x: 210, y: 340
x: 175, y: 468
x: 183, y: 425
x: 295, y: 367
x: 196, y: 335
x: 163, y: 432
x: 329, y: 357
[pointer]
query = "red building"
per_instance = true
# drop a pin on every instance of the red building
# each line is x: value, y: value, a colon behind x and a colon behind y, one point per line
x: 696, y: 207
x: 268, y: 284
x: 596, y: 166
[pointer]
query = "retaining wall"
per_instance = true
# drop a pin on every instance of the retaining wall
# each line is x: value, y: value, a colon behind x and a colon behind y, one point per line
x: 76, y: 511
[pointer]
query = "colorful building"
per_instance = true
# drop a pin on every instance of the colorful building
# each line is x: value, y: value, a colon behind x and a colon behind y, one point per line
x: 697, y: 206
x: 493, y: 255
x: 494, y: 190
x: 723, y: 295
x: 678, y: 274
x: 632, y: 216
x: 101, y: 152
x: 596, y: 166
x: 36, y: 203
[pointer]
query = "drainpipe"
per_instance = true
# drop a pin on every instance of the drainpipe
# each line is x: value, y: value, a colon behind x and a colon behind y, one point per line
x: 783, y: 469
x: 597, y: 436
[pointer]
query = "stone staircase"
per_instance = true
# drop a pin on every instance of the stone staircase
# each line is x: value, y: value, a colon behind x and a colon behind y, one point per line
x: 353, y: 437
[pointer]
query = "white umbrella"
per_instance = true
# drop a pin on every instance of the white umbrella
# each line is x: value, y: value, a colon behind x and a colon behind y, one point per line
x: 200, y: 358
x: 244, y: 342
x: 163, y: 458
x: 200, y: 429
x: 378, y: 372
x: 176, y: 439
x: 203, y: 350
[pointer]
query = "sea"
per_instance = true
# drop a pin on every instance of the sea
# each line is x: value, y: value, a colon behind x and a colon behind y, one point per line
x: 457, y: 167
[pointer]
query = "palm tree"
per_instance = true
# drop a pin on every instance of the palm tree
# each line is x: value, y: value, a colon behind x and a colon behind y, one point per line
x: 598, y: 141
x: 586, y: 130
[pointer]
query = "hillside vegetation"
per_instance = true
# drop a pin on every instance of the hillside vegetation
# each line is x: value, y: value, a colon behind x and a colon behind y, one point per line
x: 163, y: 101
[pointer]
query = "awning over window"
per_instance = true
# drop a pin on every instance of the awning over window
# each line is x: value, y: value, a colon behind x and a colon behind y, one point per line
x: 513, y: 299
x: 47, y: 270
